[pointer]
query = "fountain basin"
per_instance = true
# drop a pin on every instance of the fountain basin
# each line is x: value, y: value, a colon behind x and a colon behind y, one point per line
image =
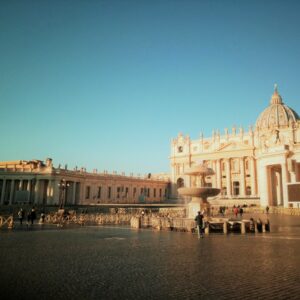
x: 201, y: 192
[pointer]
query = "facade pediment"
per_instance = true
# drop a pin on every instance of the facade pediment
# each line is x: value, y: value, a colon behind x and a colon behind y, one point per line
x: 232, y: 146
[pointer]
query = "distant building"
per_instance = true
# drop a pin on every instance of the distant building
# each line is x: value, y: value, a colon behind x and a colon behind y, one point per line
x: 260, y: 166
x: 40, y: 183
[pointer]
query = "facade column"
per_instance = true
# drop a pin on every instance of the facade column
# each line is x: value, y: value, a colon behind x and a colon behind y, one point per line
x: 297, y: 171
x: 219, y: 174
x: 214, y: 167
x: 3, y: 191
x: 74, y: 193
x: 242, y: 177
x: 21, y: 185
x: 284, y: 185
x: 228, y: 178
x: 265, y: 185
x: 253, y: 177
x: 12, y: 189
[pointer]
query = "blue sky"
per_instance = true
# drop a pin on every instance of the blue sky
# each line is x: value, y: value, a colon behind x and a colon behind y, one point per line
x: 108, y: 84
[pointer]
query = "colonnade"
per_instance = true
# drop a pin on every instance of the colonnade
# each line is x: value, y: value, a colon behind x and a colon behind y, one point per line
x: 51, y: 191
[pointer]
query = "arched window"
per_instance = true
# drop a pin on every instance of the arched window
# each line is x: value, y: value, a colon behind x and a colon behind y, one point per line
x: 180, y: 182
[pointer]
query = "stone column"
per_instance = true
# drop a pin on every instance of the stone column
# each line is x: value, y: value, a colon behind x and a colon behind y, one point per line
x: 29, y: 190
x: 284, y: 185
x: 37, y: 192
x: 50, y: 192
x: 242, y: 177
x: 219, y: 174
x: 130, y: 194
x: 253, y: 176
x: 74, y: 192
x: 3, y: 191
x: 228, y: 177
x: 297, y: 170
x: 82, y: 192
x: 12, y: 189
x: 55, y: 191
x: 214, y: 167
x: 21, y: 185
x: 264, y: 182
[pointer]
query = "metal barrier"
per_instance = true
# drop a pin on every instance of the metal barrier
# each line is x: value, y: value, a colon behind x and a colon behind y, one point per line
x: 7, y: 221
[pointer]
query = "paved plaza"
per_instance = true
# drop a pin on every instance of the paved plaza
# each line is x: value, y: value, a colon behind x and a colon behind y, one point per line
x: 121, y: 263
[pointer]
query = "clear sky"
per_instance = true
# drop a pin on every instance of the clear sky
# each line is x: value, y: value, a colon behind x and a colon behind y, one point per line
x: 108, y: 84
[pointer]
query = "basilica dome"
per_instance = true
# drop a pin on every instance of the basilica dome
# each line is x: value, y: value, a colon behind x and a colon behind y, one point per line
x: 277, y: 114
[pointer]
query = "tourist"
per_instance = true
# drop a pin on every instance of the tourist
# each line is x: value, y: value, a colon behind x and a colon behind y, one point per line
x: 200, y: 223
x: 267, y: 226
x: 259, y: 225
x: 43, y: 217
x: 235, y: 211
x: 252, y: 226
x: 267, y: 209
x: 21, y: 215
x: 33, y: 215
x: 28, y: 217
x: 241, y: 212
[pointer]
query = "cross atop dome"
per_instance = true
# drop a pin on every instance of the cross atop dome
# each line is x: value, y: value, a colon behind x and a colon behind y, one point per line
x: 276, y: 98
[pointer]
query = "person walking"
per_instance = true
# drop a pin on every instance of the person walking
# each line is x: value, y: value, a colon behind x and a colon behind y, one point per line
x: 241, y: 212
x: 199, y: 221
x: 33, y: 215
x: 235, y: 211
x: 21, y: 215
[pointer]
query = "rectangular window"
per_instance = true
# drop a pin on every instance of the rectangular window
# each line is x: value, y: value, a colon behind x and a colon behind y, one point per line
x: 134, y: 192
x: 109, y: 192
x: 87, y: 192
x: 99, y: 192
x: 148, y: 193
x: 160, y: 191
x: 154, y: 193
x: 118, y: 192
x: 126, y: 192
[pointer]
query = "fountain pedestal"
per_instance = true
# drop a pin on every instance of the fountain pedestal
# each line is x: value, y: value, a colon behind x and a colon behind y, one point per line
x: 197, y: 204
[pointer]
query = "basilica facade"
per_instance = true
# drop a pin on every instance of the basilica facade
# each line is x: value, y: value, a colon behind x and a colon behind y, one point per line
x: 261, y: 165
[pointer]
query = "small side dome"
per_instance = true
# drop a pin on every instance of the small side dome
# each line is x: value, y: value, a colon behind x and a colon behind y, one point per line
x: 277, y: 115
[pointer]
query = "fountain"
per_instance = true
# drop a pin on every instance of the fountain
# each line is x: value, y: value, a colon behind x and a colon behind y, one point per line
x: 198, y: 190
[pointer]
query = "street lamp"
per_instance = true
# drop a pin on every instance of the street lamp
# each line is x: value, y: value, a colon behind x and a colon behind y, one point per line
x: 63, y: 185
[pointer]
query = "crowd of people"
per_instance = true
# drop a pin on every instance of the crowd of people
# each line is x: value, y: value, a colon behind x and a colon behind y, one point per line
x: 30, y: 216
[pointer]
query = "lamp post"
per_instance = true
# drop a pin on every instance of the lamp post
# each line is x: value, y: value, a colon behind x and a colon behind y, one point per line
x: 63, y: 185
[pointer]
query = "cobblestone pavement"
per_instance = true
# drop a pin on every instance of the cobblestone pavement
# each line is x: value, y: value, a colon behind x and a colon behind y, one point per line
x: 120, y: 263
